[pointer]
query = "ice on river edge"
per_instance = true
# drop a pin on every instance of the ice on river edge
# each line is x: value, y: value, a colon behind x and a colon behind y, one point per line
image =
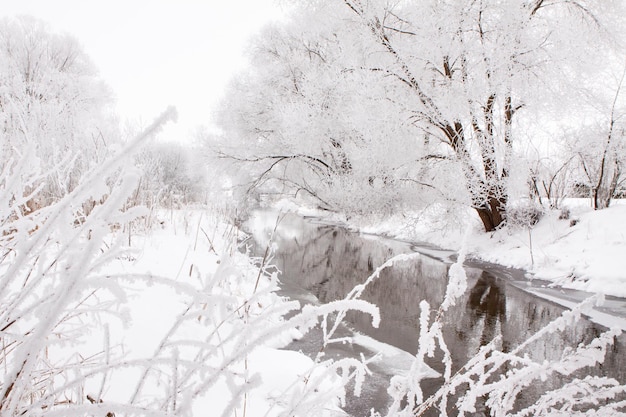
x: 585, y: 251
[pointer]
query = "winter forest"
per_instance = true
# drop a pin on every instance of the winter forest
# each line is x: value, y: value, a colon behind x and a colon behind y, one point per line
x: 403, y: 208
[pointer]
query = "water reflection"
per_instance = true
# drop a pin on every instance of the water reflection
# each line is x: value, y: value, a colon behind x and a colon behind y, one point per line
x: 328, y: 262
x: 487, y: 308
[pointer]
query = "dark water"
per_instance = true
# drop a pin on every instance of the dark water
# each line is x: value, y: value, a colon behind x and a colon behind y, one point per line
x: 322, y: 263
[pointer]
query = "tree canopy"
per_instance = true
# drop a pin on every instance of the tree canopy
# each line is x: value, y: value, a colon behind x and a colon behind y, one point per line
x: 53, y: 105
x: 393, y: 104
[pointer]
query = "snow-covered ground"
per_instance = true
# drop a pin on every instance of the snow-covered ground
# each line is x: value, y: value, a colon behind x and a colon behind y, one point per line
x: 175, y: 318
x: 584, y: 251
x: 587, y: 251
x: 191, y: 251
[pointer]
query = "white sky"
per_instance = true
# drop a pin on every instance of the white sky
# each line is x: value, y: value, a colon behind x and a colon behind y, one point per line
x: 156, y: 53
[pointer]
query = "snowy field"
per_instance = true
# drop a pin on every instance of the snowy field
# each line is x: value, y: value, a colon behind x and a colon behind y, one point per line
x: 172, y: 320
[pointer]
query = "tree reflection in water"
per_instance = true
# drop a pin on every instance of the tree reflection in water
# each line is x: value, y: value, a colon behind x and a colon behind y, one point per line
x: 487, y: 306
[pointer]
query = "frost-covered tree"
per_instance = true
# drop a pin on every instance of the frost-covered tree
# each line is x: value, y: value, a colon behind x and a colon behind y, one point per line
x: 441, y: 87
x: 472, y: 66
x: 600, y: 148
x: 171, y: 176
x: 309, y: 121
x: 51, y: 101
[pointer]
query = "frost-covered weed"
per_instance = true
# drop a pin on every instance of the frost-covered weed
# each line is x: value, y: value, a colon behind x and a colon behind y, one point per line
x: 489, y: 383
x: 67, y: 287
x: 50, y: 285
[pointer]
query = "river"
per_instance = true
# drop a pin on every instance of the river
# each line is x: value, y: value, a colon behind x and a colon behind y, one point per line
x: 323, y: 262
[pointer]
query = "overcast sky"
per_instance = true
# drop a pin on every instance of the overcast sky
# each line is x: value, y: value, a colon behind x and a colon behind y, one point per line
x: 155, y: 53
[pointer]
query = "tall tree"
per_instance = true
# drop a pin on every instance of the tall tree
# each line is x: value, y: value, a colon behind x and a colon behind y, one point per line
x: 307, y: 120
x: 472, y: 67
x: 52, y: 103
x: 442, y: 86
x: 600, y: 147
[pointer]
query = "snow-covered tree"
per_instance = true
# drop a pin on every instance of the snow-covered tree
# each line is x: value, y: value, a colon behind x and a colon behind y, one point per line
x: 431, y: 93
x: 313, y: 123
x: 171, y: 176
x: 53, y: 102
x: 600, y: 148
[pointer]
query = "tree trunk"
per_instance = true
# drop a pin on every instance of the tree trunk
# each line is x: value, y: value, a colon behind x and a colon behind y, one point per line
x: 485, y: 216
x: 604, y: 191
x: 491, y: 214
x: 609, y: 174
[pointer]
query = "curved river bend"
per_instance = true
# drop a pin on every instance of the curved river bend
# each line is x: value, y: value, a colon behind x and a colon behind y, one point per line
x: 322, y: 263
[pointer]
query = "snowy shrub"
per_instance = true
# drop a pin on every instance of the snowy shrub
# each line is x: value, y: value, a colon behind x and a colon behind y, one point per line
x: 525, y: 214
x: 51, y: 285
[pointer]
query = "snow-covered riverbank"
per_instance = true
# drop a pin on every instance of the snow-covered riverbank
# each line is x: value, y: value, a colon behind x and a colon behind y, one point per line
x: 175, y: 319
x: 584, y: 251
x: 203, y: 302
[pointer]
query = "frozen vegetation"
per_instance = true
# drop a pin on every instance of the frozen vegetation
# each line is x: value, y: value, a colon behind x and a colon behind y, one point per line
x: 128, y: 312
x: 122, y: 311
x: 128, y: 285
